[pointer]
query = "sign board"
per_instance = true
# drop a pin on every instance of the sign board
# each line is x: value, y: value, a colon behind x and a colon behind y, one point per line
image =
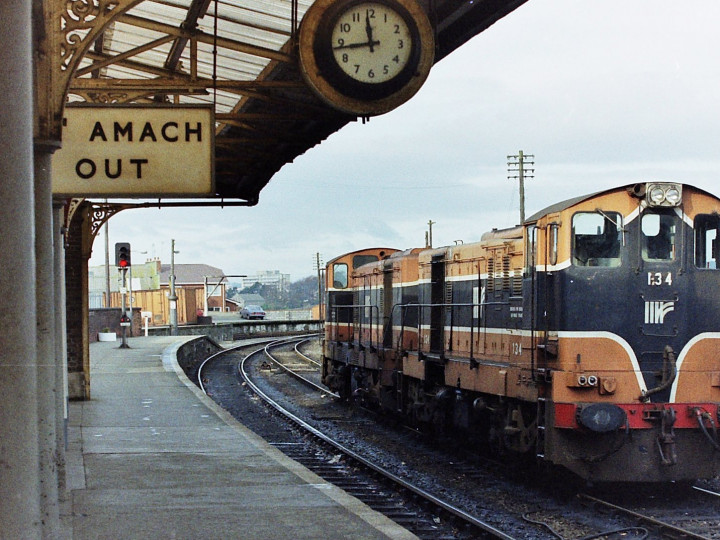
x: 135, y: 151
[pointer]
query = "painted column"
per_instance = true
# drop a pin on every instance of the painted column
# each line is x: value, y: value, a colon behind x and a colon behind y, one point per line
x: 20, y: 513
x: 77, y: 253
x: 47, y: 363
x: 61, y: 377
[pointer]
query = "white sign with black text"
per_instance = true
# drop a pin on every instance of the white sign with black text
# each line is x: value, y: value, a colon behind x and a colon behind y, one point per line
x: 135, y: 151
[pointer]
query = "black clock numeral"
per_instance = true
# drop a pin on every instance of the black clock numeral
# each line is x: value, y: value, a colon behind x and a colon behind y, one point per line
x: 357, y: 68
x: 345, y: 27
x: 356, y: 17
x: 340, y: 42
x: 401, y: 44
x: 386, y: 69
x: 396, y: 59
x: 345, y: 58
x: 371, y: 74
x: 397, y: 29
x: 371, y: 13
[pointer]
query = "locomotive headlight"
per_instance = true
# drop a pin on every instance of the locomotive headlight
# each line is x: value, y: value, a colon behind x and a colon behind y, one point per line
x: 656, y: 195
x: 601, y: 417
x: 664, y: 194
x: 672, y: 195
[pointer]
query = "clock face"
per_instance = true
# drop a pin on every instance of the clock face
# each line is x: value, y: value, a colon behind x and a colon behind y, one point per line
x: 365, y: 57
x: 371, y: 42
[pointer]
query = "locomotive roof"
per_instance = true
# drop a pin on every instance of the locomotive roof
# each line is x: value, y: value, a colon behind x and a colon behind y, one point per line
x: 392, y: 250
x: 559, y: 207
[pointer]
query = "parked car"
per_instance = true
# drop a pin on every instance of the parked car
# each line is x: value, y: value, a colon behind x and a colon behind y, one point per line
x: 252, y: 312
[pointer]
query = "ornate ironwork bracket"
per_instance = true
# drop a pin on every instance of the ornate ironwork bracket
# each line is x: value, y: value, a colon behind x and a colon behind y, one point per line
x: 98, y: 214
x: 101, y: 212
x: 65, y: 30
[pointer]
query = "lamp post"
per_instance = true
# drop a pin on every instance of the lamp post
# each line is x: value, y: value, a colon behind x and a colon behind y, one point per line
x: 172, y: 298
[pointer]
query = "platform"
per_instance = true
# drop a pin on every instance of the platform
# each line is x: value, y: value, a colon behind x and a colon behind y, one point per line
x: 150, y: 456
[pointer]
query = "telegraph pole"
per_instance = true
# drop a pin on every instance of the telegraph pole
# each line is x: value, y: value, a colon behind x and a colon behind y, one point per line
x: 321, y: 310
x: 428, y: 236
x: 517, y: 170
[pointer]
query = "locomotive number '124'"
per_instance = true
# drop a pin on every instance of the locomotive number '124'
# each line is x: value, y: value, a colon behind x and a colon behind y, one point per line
x: 657, y: 279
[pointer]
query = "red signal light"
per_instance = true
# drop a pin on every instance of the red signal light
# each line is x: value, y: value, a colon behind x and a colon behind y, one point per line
x: 122, y: 254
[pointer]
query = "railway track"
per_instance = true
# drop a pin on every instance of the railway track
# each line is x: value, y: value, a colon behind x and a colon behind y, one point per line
x: 421, y: 512
x: 673, y: 523
x: 475, y: 527
x: 332, y: 463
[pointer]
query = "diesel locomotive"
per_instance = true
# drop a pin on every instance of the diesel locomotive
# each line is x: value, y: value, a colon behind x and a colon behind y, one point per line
x: 587, y: 338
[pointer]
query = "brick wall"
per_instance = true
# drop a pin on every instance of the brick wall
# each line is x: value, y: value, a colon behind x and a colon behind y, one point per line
x: 110, y: 318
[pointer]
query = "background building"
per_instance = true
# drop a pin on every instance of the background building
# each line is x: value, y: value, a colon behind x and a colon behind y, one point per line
x: 271, y: 278
x: 149, y: 286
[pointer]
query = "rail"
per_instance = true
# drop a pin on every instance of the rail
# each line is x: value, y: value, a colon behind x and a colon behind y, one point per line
x: 458, y: 513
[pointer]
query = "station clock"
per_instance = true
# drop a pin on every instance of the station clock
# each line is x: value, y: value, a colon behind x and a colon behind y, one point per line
x: 366, y: 57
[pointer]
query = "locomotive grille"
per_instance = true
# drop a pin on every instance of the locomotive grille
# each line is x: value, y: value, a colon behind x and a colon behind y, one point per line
x: 506, y: 273
x: 516, y: 285
x: 490, y: 275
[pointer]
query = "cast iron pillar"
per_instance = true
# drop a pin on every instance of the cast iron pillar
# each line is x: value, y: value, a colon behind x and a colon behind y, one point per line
x: 20, y: 512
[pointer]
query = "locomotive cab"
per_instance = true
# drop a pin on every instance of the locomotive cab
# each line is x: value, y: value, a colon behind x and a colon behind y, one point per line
x: 618, y: 317
x: 341, y: 314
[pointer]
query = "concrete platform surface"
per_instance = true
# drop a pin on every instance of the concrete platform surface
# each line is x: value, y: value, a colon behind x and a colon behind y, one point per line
x: 150, y: 456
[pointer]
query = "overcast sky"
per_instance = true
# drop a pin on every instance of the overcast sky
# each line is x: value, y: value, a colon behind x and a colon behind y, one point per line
x: 601, y: 92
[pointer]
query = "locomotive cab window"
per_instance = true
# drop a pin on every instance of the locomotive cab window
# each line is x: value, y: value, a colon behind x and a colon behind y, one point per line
x: 597, y: 237
x: 659, y: 236
x: 530, y: 248
x: 359, y: 260
x: 553, y: 243
x: 340, y: 276
x: 707, y: 228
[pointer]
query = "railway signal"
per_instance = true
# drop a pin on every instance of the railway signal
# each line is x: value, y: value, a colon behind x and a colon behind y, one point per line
x: 122, y: 254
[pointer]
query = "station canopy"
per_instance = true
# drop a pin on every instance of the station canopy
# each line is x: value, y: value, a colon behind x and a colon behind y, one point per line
x: 240, y: 56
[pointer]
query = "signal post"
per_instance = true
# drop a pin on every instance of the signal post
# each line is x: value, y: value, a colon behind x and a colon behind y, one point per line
x: 123, y: 263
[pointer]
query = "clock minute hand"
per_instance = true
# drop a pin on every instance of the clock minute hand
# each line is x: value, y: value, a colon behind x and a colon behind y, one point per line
x: 358, y: 45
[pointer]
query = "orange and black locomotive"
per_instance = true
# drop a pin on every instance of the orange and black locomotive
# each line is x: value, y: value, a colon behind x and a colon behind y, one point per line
x: 589, y: 336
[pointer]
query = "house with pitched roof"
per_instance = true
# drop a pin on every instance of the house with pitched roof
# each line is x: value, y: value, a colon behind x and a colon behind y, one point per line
x: 198, y: 287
